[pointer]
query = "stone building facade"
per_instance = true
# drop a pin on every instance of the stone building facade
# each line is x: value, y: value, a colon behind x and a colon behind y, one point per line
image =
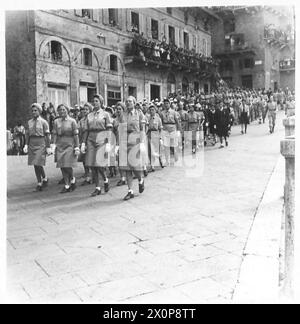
x: 65, y: 56
x: 251, y: 43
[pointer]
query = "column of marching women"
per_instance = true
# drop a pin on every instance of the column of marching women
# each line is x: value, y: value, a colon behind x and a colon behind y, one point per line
x: 137, y: 137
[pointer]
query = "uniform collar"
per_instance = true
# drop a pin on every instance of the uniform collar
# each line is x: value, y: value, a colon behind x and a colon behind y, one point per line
x: 96, y: 112
x: 131, y: 112
x: 66, y: 118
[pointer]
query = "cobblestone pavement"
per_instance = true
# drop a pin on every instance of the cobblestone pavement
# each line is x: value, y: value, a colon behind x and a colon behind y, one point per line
x: 181, y: 241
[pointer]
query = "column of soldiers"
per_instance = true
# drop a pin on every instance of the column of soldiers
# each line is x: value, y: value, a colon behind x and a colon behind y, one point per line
x: 137, y: 137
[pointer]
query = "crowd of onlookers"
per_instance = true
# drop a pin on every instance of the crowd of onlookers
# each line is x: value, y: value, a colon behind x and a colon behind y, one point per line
x: 169, y: 53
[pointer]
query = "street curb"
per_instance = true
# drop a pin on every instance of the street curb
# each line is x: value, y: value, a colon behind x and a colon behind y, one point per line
x: 259, y: 274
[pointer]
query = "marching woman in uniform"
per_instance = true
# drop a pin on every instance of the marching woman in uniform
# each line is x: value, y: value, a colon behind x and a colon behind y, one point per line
x: 85, y: 110
x: 153, y: 134
x: 96, y: 143
x: 120, y: 108
x: 66, y: 146
x: 37, y: 145
x: 132, y: 145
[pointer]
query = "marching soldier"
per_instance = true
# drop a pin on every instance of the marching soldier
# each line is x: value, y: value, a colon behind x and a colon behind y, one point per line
x: 272, y: 109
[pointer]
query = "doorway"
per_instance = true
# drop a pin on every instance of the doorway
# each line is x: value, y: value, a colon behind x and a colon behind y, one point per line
x: 154, y: 92
x: 247, y: 81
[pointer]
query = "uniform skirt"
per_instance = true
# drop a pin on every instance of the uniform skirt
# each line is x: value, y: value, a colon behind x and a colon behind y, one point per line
x: 95, y: 153
x: 81, y: 158
x: 130, y: 157
x: 64, y: 156
x: 244, y: 119
x: 37, y: 151
x: 169, y: 139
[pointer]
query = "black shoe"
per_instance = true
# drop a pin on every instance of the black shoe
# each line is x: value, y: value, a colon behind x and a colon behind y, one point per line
x: 65, y: 190
x: 38, y: 189
x: 121, y: 183
x: 62, y: 181
x: 142, y: 187
x: 226, y: 143
x: 45, y: 183
x: 97, y: 192
x: 152, y: 169
x: 106, y: 186
x: 145, y: 173
x: 73, y: 186
x: 129, y: 196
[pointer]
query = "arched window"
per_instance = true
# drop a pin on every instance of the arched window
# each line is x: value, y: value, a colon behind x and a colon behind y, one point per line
x: 55, y: 51
x: 87, y: 57
x: 113, y: 63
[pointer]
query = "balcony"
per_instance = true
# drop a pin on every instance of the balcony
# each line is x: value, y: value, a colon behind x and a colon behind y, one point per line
x: 164, y: 56
x: 277, y: 37
x: 287, y: 65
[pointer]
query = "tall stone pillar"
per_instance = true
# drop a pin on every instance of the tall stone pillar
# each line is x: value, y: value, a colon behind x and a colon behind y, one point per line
x: 288, y: 151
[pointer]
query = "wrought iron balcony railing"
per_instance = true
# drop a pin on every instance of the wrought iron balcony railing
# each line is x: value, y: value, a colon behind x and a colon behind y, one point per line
x: 287, y: 64
x: 166, y: 55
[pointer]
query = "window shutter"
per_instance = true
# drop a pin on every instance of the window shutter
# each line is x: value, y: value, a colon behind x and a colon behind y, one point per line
x: 181, y: 38
x: 167, y: 33
x: 100, y: 15
x: 78, y: 12
x: 120, y: 18
x: 129, y: 27
x: 148, y: 22
x: 177, y: 36
x: 105, y: 16
x: 142, y: 24
x: 191, y: 39
x: 95, y: 15
x: 160, y: 30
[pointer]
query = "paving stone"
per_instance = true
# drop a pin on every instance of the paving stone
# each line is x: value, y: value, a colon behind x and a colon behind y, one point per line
x: 203, y: 289
x: 27, y: 271
x: 53, y: 285
x: 162, y: 245
x: 72, y: 262
x: 165, y: 296
x: 66, y: 297
x: 116, y: 290
x: 32, y: 253
x: 16, y: 294
x: 110, y: 272
x: 199, y: 253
